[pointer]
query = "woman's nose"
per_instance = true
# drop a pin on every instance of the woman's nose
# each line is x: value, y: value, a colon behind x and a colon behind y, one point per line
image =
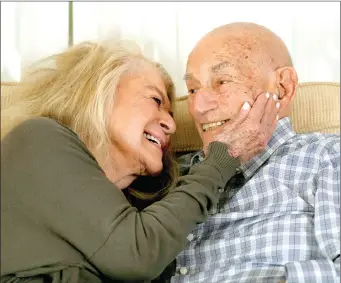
x: 168, y: 124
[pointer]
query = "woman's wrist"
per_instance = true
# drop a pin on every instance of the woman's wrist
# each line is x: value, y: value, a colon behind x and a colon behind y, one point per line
x: 217, y: 156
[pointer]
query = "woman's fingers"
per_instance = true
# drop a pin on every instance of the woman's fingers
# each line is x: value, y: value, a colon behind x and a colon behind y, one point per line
x: 243, y: 113
x: 271, y: 110
x: 258, y: 108
x: 252, y: 129
x: 270, y: 116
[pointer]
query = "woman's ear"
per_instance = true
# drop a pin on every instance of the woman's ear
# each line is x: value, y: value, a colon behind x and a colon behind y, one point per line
x: 287, y: 81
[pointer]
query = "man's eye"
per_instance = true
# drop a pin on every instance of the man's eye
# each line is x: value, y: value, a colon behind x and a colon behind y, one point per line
x: 223, y: 82
x: 192, y: 91
x: 157, y: 100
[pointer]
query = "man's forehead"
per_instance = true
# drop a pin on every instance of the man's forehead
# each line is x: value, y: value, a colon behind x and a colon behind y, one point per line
x: 212, y: 57
x: 214, y: 67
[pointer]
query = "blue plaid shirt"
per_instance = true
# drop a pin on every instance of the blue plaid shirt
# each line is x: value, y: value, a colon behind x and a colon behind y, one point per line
x: 278, y: 219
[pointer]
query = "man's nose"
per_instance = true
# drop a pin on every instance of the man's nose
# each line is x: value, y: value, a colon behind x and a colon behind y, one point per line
x: 204, y: 101
x: 168, y: 124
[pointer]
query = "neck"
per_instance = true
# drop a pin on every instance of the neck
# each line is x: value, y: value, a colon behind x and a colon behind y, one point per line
x: 119, y: 170
x: 123, y: 181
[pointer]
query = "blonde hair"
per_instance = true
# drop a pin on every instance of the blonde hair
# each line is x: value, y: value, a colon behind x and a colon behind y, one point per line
x: 76, y: 88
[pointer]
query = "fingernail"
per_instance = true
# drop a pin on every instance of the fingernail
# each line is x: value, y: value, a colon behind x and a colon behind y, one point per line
x: 246, y: 105
x: 277, y: 117
x: 267, y: 95
x: 275, y: 97
x: 278, y: 105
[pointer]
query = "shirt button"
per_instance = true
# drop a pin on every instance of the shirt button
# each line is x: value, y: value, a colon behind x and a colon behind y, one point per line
x: 221, y: 190
x: 238, y: 170
x: 183, y: 270
x: 190, y: 237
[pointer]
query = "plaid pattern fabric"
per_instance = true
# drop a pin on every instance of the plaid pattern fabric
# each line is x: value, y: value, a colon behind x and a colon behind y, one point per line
x: 278, y: 219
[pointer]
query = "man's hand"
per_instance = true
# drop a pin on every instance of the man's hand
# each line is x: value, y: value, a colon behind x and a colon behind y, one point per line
x: 248, y: 134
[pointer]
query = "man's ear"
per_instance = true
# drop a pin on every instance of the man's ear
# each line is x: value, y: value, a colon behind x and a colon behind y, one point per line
x: 287, y: 80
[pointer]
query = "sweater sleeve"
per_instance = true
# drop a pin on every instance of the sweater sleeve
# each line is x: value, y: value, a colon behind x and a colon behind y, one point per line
x: 62, y: 187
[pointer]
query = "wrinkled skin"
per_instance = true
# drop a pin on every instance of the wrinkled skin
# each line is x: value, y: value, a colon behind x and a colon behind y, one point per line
x: 231, y: 65
x: 141, y: 106
x: 250, y: 132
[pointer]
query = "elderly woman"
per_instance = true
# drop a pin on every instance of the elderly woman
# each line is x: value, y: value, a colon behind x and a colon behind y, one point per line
x: 88, y: 189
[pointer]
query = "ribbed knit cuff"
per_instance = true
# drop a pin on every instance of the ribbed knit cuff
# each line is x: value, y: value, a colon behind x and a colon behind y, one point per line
x: 217, y: 156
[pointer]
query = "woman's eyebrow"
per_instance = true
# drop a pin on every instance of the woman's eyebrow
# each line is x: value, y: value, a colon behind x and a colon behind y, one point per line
x: 156, y: 89
x: 164, y: 97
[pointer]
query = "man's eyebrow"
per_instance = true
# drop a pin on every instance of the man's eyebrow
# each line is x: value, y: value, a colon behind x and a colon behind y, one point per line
x: 222, y: 65
x: 214, y: 69
x: 188, y: 77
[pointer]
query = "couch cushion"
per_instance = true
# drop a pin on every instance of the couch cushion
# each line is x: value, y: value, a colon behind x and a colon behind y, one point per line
x: 316, y: 108
x: 6, y: 90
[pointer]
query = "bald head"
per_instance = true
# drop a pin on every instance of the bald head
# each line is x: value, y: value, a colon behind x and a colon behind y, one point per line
x: 238, y: 61
x: 258, y: 44
x: 255, y: 49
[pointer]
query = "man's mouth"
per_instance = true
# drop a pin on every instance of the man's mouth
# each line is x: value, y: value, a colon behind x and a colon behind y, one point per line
x: 153, y: 139
x: 210, y: 126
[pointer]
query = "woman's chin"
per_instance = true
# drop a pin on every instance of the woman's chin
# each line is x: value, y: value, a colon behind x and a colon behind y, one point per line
x: 155, y: 168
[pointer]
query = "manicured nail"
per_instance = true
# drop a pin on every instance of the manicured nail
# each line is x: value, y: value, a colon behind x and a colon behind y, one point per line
x: 246, y: 105
x: 278, y: 105
x: 275, y: 97
x: 277, y: 117
x: 267, y: 95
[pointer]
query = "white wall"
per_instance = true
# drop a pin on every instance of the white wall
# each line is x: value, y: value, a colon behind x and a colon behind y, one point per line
x: 29, y: 31
x: 167, y: 31
x: 10, y: 58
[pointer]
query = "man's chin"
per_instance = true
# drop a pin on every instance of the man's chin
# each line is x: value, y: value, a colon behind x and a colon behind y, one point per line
x: 207, y: 137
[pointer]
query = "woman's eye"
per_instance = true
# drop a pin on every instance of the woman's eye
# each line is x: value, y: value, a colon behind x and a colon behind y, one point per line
x: 157, y: 100
x: 192, y: 91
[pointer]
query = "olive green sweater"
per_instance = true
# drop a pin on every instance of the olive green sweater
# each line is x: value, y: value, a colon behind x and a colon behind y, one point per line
x: 62, y: 219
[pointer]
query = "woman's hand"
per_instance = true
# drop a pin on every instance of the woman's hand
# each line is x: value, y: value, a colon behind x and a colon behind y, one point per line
x: 248, y: 134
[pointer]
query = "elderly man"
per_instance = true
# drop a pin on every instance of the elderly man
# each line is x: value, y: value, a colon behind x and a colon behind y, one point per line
x: 278, y: 219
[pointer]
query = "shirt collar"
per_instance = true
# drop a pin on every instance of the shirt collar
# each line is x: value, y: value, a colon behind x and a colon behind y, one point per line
x: 282, y: 133
x: 197, y: 157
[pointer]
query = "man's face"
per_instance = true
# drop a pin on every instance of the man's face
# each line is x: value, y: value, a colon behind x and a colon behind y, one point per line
x: 219, y: 80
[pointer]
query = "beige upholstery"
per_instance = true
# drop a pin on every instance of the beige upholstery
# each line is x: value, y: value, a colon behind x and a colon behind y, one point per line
x: 6, y: 90
x: 316, y: 108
